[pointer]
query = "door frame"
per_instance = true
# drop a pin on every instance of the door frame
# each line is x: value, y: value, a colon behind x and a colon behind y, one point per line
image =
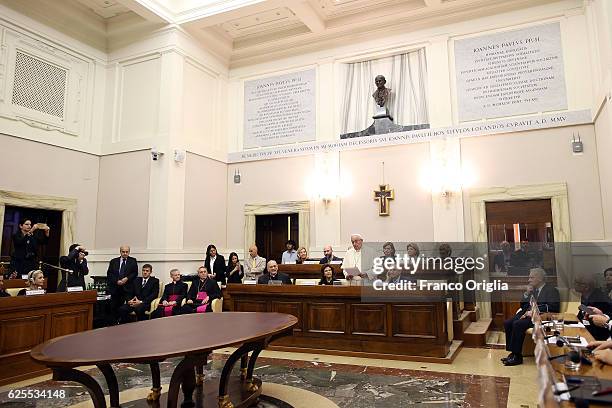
x: 302, y: 208
x: 67, y: 206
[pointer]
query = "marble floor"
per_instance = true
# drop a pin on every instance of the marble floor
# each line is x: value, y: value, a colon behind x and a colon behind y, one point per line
x: 475, y: 379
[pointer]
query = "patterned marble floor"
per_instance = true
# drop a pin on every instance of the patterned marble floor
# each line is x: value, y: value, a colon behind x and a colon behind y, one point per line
x: 345, y: 385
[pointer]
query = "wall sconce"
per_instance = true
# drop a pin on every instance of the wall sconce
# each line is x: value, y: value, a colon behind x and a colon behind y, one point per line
x: 447, y: 181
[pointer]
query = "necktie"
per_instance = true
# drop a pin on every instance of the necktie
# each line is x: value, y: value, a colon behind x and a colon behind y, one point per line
x: 254, y: 263
x: 144, y: 282
x: 122, y: 268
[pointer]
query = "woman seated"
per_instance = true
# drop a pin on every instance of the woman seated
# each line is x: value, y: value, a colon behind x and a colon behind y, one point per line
x: 201, y: 294
x: 174, y: 293
x: 327, y: 275
x: 36, y: 281
x: 302, y: 256
x: 234, y: 272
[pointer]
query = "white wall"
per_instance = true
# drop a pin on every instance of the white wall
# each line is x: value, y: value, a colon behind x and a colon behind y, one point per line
x: 540, y: 157
x: 205, y: 204
x: 123, y: 200
x: 36, y: 168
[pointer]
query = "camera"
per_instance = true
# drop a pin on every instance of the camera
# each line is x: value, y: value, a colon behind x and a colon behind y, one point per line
x: 84, y: 252
x: 155, y: 154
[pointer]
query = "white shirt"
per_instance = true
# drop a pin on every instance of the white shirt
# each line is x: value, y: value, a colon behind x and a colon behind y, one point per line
x: 212, y: 265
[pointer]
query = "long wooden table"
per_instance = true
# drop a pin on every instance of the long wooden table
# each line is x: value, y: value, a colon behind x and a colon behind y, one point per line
x: 340, y: 320
x: 192, y: 336
x: 26, y: 321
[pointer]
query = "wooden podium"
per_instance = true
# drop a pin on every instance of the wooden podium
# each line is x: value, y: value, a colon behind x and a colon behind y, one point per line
x: 27, y: 321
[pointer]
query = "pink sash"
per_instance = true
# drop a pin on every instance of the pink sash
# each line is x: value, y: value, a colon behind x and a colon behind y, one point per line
x: 203, y: 297
x: 168, y: 309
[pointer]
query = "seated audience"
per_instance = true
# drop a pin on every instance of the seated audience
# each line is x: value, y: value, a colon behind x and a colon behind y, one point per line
x: 547, y: 297
x: 599, y: 302
x: 254, y: 264
x: 327, y: 275
x: 445, y: 251
x: 201, y: 293
x: 274, y: 275
x: 215, y: 264
x: 302, y: 256
x: 36, y: 281
x: 608, y: 277
x: 394, y: 275
x: 329, y: 255
x: 290, y: 255
x: 3, y: 292
x: 388, y: 250
x: 144, y: 290
x: 76, y: 262
x: 413, y: 252
x: 174, y: 293
x: 234, y: 271
x: 602, y: 350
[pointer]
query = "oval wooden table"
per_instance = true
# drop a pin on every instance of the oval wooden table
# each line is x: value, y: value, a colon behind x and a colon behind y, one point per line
x: 193, y: 336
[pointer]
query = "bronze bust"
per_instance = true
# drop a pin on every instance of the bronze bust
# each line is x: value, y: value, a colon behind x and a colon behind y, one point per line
x: 381, y: 95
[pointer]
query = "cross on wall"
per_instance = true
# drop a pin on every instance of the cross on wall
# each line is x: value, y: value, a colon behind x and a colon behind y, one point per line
x: 383, y: 195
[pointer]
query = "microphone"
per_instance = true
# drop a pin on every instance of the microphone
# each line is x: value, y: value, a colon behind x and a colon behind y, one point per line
x: 573, y: 355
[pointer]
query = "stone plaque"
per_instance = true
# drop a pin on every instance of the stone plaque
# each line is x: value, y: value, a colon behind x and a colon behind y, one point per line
x: 280, y: 110
x: 510, y: 73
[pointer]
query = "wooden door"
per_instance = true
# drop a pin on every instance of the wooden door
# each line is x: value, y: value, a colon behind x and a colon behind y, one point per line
x: 272, y: 232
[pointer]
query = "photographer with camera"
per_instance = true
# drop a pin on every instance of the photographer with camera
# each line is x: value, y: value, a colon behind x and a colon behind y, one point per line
x: 25, y: 246
x: 75, y: 262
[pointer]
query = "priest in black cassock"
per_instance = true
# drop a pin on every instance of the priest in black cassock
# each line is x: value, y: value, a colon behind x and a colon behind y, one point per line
x: 201, y: 294
x: 174, y: 293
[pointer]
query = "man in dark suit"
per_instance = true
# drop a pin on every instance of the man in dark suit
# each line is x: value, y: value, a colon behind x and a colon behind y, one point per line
x: 548, y: 300
x: 143, y: 291
x: 120, y: 275
x: 273, y: 275
x: 329, y: 256
x: 597, y: 300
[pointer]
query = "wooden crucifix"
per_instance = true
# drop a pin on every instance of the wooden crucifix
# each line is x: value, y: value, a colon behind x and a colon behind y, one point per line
x: 383, y: 195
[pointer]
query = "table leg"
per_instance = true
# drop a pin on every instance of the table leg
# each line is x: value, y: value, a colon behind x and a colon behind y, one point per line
x: 199, y: 375
x: 244, y: 360
x: 242, y: 351
x: 111, y: 381
x: 249, y: 385
x: 184, y: 374
x: 70, y: 374
x: 155, y: 376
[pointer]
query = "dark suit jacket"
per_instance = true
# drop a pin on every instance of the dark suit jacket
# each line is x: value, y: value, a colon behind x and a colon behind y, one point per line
x: 548, y: 300
x: 264, y: 279
x: 236, y: 277
x: 210, y: 287
x: 80, y: 269
x: 180, y: 289
x: 112, y: 274
x: 599, y: 299
x: 146, y: 294
x: 324, y: 260
x: 219, y: 268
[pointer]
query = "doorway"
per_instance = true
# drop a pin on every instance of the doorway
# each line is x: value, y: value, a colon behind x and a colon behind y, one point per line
x: 520, y: 236
x: 49, y: 252
x: 272, y: 232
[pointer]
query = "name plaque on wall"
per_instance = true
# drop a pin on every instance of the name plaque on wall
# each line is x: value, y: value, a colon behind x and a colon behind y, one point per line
x: 511, y: 73
x: 280, y: 110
